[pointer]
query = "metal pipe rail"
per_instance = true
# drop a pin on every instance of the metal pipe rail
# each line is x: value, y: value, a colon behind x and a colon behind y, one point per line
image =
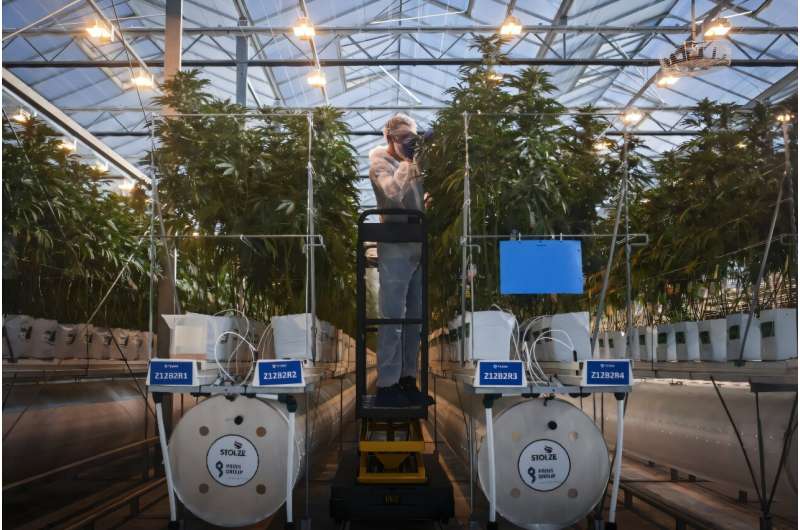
x: 305, y: 63
x: 235, y: 31
x: 80, y: 463
x: 130, y: 498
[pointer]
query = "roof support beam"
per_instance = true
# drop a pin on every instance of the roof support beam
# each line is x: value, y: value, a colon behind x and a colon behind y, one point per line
x: 173, y: 37
x: 232, y: 31
x: 393, y: 61
x: 25, y: 93
x: 559, y: 18
x: 369, y: 132
x: 775, y: 89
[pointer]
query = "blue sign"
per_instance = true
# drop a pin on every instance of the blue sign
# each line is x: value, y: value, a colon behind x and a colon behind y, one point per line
x: 171, y: 372
x: 500, y: 373
x: 541, y: 267
x: 279, y: 373
x: 606, y: 372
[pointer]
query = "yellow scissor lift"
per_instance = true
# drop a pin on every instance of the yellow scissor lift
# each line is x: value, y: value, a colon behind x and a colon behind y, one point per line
x: 390, y: 477
x: 391, y: 452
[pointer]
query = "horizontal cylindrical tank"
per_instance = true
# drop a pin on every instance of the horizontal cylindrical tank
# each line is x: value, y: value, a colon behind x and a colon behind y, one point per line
x: 684, y: 426
x: 229, y: 456
x: 49, y: 425
x: 551, y: 461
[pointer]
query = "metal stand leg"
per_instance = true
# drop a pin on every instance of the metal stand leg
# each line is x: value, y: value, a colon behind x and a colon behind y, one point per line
x: 162, y: 437
x: 612, y: 508
x: 488, y: 401
x: 473, y: 523
x: 291, y: 406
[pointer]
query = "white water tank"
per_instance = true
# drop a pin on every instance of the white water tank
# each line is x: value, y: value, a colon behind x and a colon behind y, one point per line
x: 293, y: 336
x: 100, y: 343
x: 43, y: 338
x: 616, y: 344
x: 713, y: 340
x: 488, y: 335
x: 601, y: 349
x: 646, y: 341
x: 327, y: 335
x: 687, y: 341
x: 778, y: 334
x: 737, y: 323
x: 571, y: 331
x: 199, y: 336
x: 17, y: 336
x: 665, y: 343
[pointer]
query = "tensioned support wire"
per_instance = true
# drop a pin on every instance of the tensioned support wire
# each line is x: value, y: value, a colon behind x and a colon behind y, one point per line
x: 754, y: 303
x: 468, y: 240
x: 311, y: 238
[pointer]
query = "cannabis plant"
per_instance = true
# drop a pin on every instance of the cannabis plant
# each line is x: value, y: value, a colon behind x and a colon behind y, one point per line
x: 223, y: 174
x: 66, y: 236
x: 532, y: 171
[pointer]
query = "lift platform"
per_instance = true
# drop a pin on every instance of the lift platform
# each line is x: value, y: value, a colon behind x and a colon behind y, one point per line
x: 390, y: 476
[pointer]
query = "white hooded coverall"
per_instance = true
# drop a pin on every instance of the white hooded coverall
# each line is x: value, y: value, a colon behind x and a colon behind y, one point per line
x: 397, y: 185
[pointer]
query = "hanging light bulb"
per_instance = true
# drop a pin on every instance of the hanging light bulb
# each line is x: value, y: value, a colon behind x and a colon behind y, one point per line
x: 126, y: 186
x: 601, y: 146
x: 784, y: 117
x: 495, y: 77
x: 304, y: 29
x: 143, y: 79
x: 100, y: 165
x: 195, y: 234
x: 632, y: 116
x: 717, y: 28
x: 100, y: 31
x: 316, y: 78
x: 21, y: 115
x: 511, y: 26
x: 68, y: 146
x: 665, y: 80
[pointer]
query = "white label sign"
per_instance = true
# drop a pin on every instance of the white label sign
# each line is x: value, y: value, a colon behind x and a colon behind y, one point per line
x: 232, y: 460
x: 544, y: 465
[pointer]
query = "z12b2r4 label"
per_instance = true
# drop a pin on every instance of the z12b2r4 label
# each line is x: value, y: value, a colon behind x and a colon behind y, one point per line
x: 544, y: 465
x: 232, y: 460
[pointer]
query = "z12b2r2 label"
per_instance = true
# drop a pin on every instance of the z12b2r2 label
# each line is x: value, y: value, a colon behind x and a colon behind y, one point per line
x: 232, y: 460
x: 544, y: 465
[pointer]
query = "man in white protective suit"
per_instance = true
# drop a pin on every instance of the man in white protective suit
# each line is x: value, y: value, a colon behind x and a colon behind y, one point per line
x: 397, y: 183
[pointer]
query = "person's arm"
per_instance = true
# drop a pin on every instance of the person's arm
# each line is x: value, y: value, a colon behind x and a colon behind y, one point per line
x: 394, y: 184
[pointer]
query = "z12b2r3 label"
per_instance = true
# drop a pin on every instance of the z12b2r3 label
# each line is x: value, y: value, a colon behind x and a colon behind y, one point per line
x: 544, y: 465
x: 232, y: 460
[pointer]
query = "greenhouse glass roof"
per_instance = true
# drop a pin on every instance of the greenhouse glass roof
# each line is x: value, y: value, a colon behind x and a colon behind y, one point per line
x: 379, y: 56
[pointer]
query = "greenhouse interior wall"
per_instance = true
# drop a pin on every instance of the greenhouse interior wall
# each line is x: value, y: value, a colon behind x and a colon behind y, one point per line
x: 413, y: 264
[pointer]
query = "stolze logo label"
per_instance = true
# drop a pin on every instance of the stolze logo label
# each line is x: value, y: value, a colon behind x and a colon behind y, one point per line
x: 544, y: 465
x: 232, y: 460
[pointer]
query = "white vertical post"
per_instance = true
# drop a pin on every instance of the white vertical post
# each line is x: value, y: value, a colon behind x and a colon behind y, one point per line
x: 162, y: 438
x: 612, y: 509
x: 290, y: 470
x: 490, y: 451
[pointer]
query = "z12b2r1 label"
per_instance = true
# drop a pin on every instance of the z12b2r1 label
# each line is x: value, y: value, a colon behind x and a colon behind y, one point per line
x: 544, y: 465
x: 232, y: 460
